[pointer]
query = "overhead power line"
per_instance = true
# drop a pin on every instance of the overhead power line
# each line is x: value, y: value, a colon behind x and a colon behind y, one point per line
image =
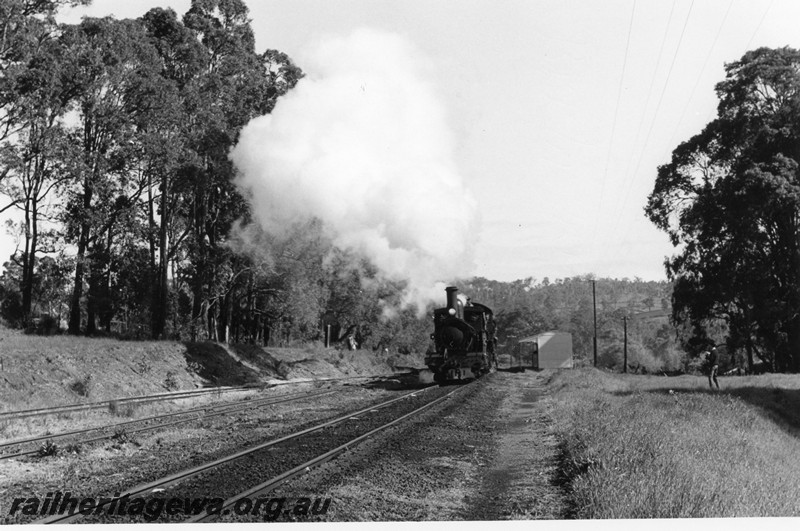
x: 760, y: 22
x: 652, y: 82
x: 699, y: 77
x: 599, y: 204
x: 644, y: 110
x: 630, y: 179
x: 713, y: 111
x: 616, y: 113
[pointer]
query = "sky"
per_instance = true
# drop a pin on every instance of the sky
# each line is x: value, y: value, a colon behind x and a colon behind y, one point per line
x: 559, y: 111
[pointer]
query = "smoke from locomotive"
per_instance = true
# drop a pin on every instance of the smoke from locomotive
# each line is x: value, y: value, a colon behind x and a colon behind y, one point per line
x: 363, y: 145
x: 463, y: 340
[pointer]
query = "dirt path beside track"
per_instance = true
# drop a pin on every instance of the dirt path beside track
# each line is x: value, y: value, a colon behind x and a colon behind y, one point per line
x: 520, y: 479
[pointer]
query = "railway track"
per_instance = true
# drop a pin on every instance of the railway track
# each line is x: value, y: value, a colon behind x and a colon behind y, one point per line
x: 193, y: 414
x: 70, y: 408
x: 157, y: 397
x: 278, y: 459
x: 227, y: 507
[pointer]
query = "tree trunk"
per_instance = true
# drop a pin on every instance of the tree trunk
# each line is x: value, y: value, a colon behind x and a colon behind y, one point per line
x: 33, y: 175
x: 224, y: 322
x: 154, y: 271
x: 193, y: 322
x: 77, y: 289
x: 793, y: 319
x: 83, y: 245
x: 28, y: 256
x: 200, y: 261
x: 749, y: 347
x: 160, y: 297
x: 793, y: 347
x: 106, y: 304
x: 92, y: 295
x: 211, y: 321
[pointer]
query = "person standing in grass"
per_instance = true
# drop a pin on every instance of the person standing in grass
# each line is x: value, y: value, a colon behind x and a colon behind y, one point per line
x: 713, y: 367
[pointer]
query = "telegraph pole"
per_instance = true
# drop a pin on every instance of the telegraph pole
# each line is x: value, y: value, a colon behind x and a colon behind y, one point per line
x: 594, y: 338
x: 625, y: 344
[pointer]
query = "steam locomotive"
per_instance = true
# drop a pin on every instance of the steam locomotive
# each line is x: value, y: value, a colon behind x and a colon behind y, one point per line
x: 463, y: 340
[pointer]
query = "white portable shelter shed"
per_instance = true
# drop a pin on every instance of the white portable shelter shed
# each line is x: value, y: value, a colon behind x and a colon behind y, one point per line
x: 549, y: 350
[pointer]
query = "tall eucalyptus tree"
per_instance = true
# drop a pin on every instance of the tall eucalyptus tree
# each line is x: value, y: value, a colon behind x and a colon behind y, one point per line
x: 730, y: 200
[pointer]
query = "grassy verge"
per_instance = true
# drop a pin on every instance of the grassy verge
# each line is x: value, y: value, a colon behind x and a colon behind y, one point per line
x: 656, y: 447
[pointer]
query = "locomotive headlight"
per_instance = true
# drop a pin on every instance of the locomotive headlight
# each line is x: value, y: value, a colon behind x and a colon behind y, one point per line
x: 451, y: 311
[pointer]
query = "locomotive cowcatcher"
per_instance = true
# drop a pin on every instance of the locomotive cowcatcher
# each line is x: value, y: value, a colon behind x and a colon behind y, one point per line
x: 463, y: 340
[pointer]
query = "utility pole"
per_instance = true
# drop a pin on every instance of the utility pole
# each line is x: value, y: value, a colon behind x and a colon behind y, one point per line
x: 625, y: 344
x: 594, y: 338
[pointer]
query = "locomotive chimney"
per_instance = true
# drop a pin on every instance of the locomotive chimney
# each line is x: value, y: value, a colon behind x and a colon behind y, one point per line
x: 452, y: 298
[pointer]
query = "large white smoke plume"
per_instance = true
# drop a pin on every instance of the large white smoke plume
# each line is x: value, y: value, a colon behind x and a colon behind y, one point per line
x: 362, y: 144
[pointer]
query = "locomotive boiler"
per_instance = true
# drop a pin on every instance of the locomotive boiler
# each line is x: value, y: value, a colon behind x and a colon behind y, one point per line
x: 463, y: 340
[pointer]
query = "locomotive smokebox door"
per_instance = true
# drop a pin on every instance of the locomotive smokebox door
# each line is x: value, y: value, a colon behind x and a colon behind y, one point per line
x: 454, y: 374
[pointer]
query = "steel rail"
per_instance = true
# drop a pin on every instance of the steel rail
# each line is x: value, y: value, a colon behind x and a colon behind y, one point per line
x: 178, y: 395
x: 143, y: 419
x: 269, y: 485
x: 68, y: 408
x: 173, y: 479
x: 213, y: 411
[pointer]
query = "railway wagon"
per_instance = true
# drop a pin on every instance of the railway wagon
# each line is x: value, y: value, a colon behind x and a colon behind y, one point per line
x: 463, y: 340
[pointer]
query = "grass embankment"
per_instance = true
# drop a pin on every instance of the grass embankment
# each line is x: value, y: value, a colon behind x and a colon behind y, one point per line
x: 45, y: 371
x: 657, y: 447
x: 40, y: 371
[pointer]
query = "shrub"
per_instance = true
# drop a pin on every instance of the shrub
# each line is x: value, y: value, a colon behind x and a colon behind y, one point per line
x: 73, y: 448
x: 171, y: 382
x: 83, y: 386
x: 118, y: 410
x: 120, y: 435
x: 48, y: 448
x: 46, y: 325
x: 11, y: 306
x: 143, y: 366
x: 673, y: 359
